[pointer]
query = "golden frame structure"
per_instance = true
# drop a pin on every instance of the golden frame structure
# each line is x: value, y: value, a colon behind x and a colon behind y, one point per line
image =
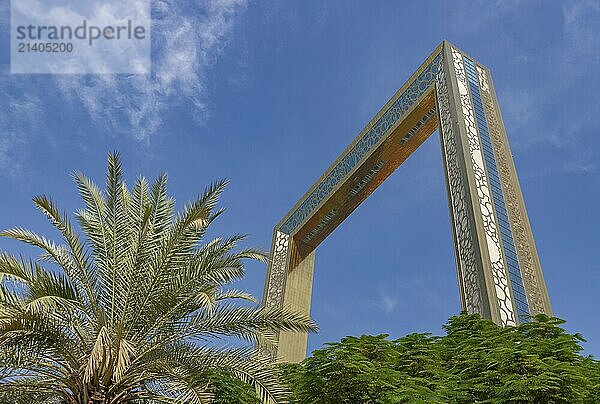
x: 498, y: 268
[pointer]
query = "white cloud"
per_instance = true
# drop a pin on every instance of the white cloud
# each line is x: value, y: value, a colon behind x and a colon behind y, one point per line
x: 387, y: 303
x: 187, y: 44
x: 17, y: 122
x: 556, y: 109
x: 581, y: 27
x: 584, y: 167
x: 188, y: 39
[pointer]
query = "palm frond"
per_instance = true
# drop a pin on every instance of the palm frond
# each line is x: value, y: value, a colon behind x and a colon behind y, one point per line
x: 137, y: 306
x: 79, y: 273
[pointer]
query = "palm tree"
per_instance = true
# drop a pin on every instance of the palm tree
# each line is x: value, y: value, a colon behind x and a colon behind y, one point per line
x: 138, y: 310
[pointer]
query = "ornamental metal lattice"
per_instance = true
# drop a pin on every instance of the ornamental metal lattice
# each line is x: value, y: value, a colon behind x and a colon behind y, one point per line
x: 499, y: 272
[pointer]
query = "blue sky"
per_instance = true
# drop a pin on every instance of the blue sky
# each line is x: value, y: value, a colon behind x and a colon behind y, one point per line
x: 268, y: 94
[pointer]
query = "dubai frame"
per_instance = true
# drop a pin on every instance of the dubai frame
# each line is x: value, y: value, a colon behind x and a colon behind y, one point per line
x: 498, y: 268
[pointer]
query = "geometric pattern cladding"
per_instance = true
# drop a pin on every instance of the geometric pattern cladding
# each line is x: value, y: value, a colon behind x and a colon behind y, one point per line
x: 498, y: 269
x: 366, y: 143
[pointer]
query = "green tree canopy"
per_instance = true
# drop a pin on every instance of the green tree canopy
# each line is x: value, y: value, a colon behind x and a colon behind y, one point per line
x: 139, y: 309
x: 475, y: 362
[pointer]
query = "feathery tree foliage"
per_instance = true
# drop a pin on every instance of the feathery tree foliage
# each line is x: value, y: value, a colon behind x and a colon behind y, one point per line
x: 137, y: 310
x: 475, y: 362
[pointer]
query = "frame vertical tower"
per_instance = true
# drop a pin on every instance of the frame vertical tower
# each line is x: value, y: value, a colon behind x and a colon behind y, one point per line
x: 498, y: 269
